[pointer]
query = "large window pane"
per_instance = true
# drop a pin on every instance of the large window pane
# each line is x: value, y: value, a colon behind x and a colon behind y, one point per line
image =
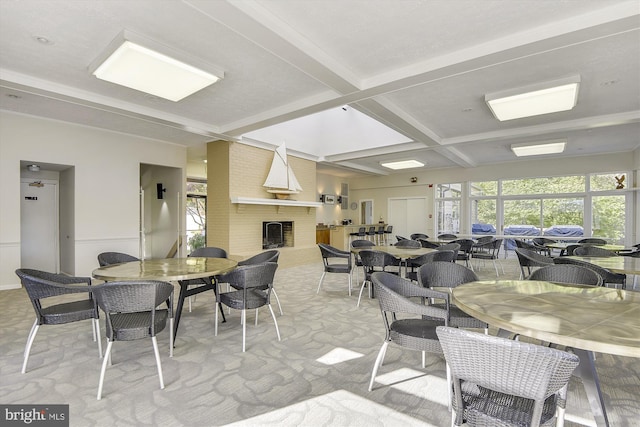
x: 484, y: 188
x: 196, y: 215
x: 484, y: 212
x: 522, y: 212
x: 563, y: 212
x: 449, y: 190
x: 448, y: 216
x: 552, y: 185
x: 608, y: 214
x: 609, y: 181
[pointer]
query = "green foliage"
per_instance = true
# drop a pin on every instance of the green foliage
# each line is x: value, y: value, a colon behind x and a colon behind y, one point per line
x: 196, y: 241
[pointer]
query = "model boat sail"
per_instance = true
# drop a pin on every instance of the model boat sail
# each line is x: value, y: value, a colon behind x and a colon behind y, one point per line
x: 281, y: 180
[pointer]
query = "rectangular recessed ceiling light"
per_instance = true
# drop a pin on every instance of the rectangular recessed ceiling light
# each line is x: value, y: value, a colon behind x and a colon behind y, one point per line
x: 404, y: 164
x: 536, y: 149
x: 147, y: 70
x: 544, y: 98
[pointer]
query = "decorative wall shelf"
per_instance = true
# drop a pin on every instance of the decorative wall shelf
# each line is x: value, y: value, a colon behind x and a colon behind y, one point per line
x: 274, y: 202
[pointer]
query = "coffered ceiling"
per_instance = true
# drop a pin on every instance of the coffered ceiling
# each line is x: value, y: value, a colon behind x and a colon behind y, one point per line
x: 348, y: 83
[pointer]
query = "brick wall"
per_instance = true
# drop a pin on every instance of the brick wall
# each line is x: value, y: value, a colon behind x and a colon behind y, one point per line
x: 238, y: 170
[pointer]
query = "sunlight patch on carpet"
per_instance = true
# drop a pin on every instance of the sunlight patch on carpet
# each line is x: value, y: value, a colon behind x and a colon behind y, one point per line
x: 338, y: 355
x: 338, y: 408
x: 417, y: 383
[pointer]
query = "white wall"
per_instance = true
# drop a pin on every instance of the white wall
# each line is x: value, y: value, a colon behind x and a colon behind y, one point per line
x: 332, y: 214
x: 107, y: 182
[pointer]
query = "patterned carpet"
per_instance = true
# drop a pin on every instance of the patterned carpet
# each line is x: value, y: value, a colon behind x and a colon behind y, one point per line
x: 316, y: 376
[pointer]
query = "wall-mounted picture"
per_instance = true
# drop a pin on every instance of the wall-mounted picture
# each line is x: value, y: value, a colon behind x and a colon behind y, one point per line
x: 329, y: 199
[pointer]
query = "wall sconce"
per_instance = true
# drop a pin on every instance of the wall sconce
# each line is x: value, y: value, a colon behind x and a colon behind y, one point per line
x: 160, y: 190
x: 322, y: 198
x: 414, y: 179
x: 339, y: 199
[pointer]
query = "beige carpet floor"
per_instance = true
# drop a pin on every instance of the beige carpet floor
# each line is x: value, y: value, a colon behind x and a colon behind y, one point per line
x: 316, y: 376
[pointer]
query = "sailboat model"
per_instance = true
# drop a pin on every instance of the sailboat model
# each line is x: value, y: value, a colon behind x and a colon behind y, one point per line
x: 281, y: 180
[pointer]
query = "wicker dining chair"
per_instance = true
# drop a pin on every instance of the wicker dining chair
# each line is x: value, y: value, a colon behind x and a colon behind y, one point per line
x: 415, y: 328
x: 450, y: 275
x: 408, y: 244
x: 335, y: 261
x: 488, y: 251
x: 416, y: 236
x: 266, y: 256
x: 373, y: 261
x: 415, y: 263
x: 253, y: 285
x: 608, y: 277
x: 41, y: 285
x: 110, y: 258
x: 567, y: 273
x: 593, y: 251
x: 357, y: 262
x: 593, y: 241
x: 530, y: 258
x: 501, y: 382
x: 132, y: 313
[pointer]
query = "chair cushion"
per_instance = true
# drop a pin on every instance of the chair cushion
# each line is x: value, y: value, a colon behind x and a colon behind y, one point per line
x: 255, y: 298
x: 68, y: 312
x: 417, y: 334
x: 337, y: 268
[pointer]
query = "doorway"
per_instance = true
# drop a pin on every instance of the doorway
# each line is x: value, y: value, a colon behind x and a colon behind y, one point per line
x: 366, y: 211
x: 39, y: 230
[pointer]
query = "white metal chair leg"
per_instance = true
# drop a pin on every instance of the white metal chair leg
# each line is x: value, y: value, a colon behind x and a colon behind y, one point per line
x: 277, y: 300
x: 275, y: 322
x: 215, y: 322
x: 157, y: 353
x: 256, y: 324
x: 324, y: 273
x: 449, y: 385
x: 378, y: 363
x: 424, y: 359
x: 244, y: 328
x: 96, y: 333
x: 107, y: 356
x: 27, y: 349
x: 360, y: 296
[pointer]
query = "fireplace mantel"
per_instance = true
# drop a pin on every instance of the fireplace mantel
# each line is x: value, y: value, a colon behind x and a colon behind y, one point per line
x: 274, y: 202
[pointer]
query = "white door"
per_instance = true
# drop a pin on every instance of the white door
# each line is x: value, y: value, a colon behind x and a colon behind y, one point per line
x: 39, y: 226
x: 408, y: 216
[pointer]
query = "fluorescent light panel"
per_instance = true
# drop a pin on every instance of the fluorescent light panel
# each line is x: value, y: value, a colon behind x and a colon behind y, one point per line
x: 149, y: 71
x: 550, y: 147
x: 560, y: 95
x: 404, y: 164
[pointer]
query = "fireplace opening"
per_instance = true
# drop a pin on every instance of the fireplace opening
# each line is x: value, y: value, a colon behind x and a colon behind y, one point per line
x: 277, y: 234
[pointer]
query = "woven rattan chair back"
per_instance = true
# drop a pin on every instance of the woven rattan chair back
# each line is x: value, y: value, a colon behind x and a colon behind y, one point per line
x: 445, y: 275
x: 511, y: 373
x: 110, y: 258
x: 453, y: 246
x: 209, y: 252
x: 593, y: 251
x: 416, y: 236
x: 132, y: 313
x: 252, y: 284
x: 530, y: 258
x: 567, y: 273
x: 593, y: 241
x: 608, y: 277
x: 41, y: 285
x: 415, y: 326
x: 408, y: 244
x: 266, y: 256
x: 334, y: 261
x: 361, y: 243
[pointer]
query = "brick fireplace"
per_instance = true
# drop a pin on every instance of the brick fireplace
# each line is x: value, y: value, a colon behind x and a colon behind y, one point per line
x: 277, y: 234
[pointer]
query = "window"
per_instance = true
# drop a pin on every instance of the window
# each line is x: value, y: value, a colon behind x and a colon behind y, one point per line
x: 196, y: 214
x: 448, y: 202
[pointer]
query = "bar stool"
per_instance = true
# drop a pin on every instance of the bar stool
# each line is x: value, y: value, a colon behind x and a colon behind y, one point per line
x: 371, y: 234
x: 360, y: 234
x: 387, y: 234
x: 381, y: 236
